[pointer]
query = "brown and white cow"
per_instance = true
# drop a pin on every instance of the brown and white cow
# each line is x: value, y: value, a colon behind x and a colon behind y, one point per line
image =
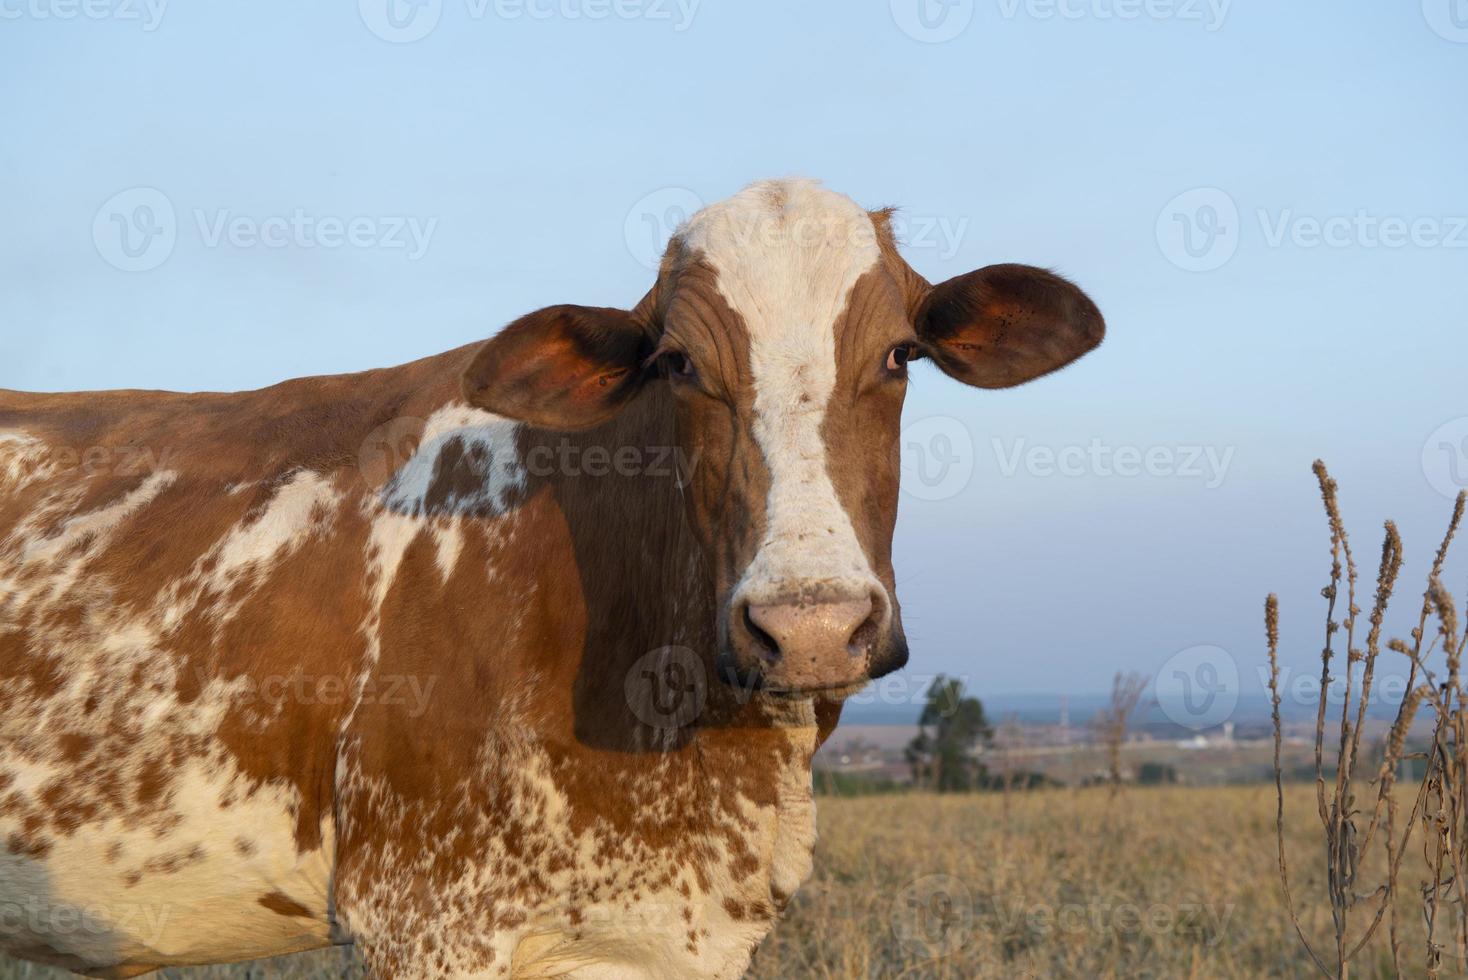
x: 537, y: 698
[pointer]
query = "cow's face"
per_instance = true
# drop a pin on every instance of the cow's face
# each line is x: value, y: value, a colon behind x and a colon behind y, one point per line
x: 783, y: 322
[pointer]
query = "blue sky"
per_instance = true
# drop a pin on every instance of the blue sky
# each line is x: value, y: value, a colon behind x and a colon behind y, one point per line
x: 1267, y: 200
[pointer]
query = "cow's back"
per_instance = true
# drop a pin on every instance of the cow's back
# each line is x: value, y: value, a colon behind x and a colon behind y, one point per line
x: 182, y: 596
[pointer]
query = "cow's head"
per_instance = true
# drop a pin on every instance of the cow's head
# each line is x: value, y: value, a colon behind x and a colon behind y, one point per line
x: 783, y: 321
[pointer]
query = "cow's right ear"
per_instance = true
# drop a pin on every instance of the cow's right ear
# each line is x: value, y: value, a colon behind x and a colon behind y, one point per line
x: 563, y: 367
x: 1004, y: 325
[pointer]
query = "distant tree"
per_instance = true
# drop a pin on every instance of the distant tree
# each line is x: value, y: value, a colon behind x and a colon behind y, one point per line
x: 1021, y: 779
x: 1156, y: 774
x: 951, y: 728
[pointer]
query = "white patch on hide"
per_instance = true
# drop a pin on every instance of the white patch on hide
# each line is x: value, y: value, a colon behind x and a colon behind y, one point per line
x: 303, y: 506
x: 123, y: 892
x: 489, y: 440
x: 23, y: 459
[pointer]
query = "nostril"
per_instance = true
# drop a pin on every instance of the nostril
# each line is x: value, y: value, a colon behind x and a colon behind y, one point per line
x: 864, y: 637
x: 766, y: 643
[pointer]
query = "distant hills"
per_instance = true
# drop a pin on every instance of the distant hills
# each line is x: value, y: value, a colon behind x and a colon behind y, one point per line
x: 1045, y: 709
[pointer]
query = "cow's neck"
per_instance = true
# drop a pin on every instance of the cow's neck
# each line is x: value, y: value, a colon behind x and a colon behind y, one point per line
x: 650, y: 610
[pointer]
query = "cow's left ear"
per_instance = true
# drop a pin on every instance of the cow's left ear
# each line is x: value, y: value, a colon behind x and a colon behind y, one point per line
x: 1004, y: 325
x: 563, y: 367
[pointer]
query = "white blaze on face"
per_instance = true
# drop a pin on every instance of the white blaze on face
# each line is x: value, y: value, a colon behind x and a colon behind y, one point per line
x: 787, y: 254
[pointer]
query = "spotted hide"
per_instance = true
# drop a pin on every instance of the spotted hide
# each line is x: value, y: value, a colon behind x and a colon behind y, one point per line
x: 509, y: 662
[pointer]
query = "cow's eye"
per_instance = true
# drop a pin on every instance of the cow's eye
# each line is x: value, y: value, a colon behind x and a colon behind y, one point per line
x: 677, y: 365
x: 898, y: 357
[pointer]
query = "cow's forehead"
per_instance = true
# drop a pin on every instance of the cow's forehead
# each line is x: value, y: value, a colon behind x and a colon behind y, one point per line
x: 785, y: 255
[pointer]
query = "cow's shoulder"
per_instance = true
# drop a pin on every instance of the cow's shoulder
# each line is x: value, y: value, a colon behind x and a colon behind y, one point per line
x: 184, y: 581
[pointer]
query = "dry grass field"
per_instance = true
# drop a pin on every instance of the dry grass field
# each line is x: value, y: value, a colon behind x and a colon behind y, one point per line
x: 1166, y: 882
x: 1160, y: 882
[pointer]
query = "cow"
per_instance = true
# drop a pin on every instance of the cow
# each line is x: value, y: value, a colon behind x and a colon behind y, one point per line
x: 509, y: 662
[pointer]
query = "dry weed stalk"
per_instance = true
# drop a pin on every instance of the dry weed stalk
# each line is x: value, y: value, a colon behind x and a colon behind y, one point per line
x: 1338, y: 806
x: 1008, y: 738
x: 1444, y: 798
x: 1112, y: 722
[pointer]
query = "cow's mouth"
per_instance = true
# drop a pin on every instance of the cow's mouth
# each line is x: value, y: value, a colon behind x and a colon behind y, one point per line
x: 769, y: 680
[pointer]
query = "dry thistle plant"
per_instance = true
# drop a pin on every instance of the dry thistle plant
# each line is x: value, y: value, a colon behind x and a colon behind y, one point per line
x: 1357, y: 911
x: 1443, y: 799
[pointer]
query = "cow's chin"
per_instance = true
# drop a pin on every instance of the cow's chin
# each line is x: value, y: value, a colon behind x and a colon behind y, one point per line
x: 776, y: 681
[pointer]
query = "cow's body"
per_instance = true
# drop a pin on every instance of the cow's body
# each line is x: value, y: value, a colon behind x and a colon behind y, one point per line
x: 352, y: 659
x: 253, y: 698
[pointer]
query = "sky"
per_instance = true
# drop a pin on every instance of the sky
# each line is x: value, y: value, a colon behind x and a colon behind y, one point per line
x: 1268, y: 202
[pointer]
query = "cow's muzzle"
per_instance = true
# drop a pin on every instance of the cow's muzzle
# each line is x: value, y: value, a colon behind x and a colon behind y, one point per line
x: 805, y: 637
